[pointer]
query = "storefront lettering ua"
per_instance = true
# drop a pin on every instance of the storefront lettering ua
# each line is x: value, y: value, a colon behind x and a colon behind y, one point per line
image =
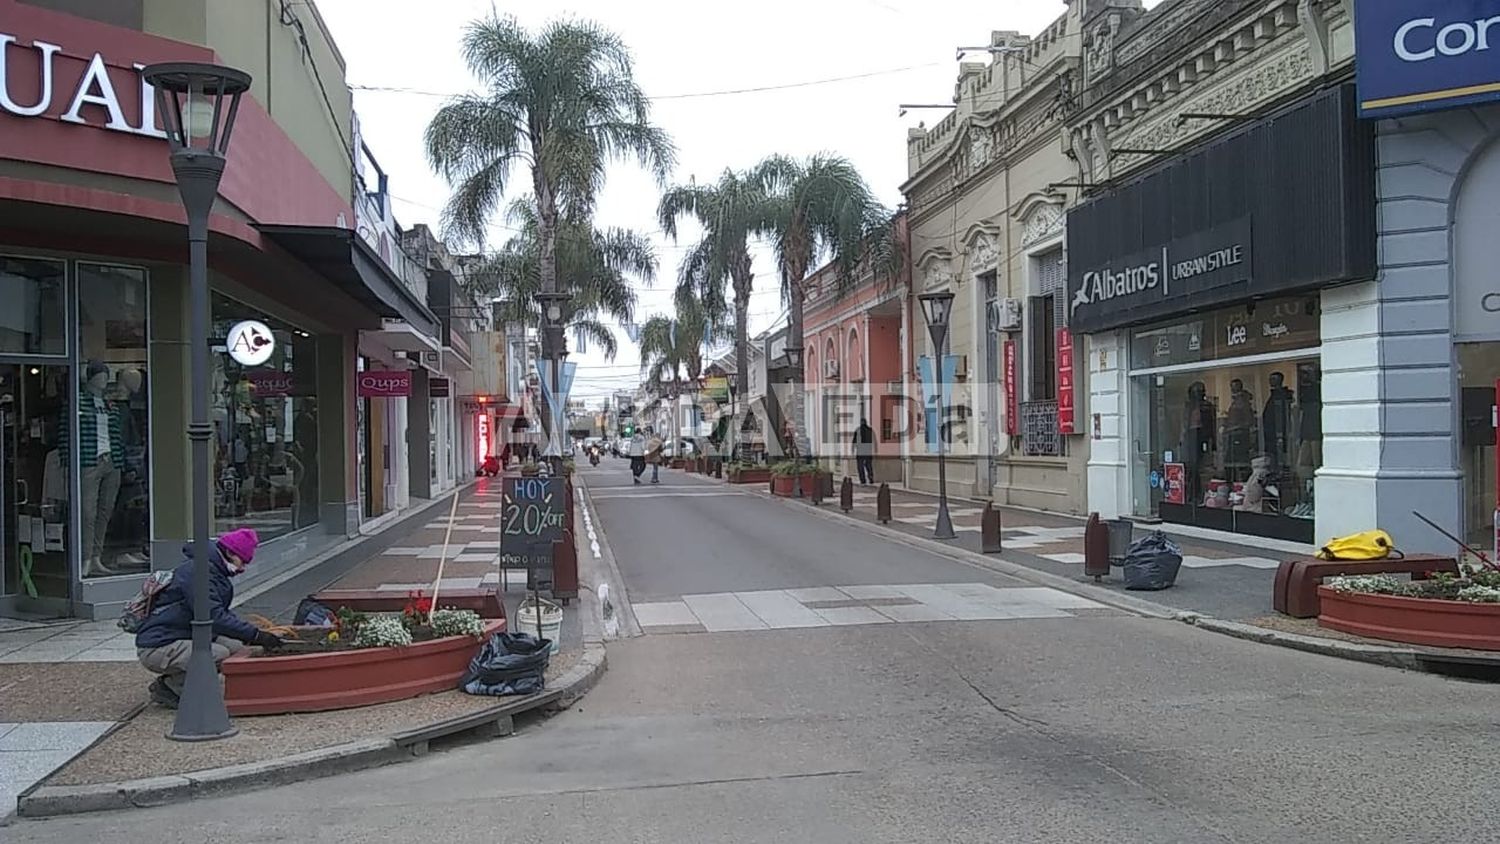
x: 33, y: 83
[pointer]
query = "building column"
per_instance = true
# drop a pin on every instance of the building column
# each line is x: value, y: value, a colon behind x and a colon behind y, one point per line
x: 1109, y: 454
x: 338, y: 466
x: 419, y: 435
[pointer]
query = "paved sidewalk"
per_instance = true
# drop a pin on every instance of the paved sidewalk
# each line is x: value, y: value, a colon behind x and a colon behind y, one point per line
x: 1223, y: 580
x: 65, y: 684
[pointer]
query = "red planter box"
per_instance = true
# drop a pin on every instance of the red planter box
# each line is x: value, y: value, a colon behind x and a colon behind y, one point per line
x: 751, y: 476
x: 784, y: 485
x: 678, y: 462
x: 1415, y: 621
x: 276, y: 685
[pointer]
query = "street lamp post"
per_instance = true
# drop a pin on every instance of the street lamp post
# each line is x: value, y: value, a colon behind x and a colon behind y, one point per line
x: 936, y: 307
x: 554, y: 349
x: 794, y: 362
x: 733, y: 434
x: 198, y: 104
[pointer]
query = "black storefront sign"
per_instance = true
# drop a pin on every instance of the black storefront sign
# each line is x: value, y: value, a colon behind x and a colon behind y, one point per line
x: 1283, y: 205
x: 439, y: 388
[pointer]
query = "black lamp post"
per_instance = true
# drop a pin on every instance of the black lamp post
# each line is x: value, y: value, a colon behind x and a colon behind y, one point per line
x: 554, y: 349
x: 198, y: 104
x: 936, y: 308
x: 733, y: 434
x: 794, y: 363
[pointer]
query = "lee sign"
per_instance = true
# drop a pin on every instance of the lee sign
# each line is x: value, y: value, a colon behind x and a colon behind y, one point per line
x: 1417, y: 57
x: 385, y: 383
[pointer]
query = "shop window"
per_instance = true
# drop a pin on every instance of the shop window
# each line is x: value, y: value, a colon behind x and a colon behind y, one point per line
x: 33, y: 306
x: 1231, y: 447
x: 114, y: 464
x: 1041, y: 343
x: 266, y: 429
x: 1478, y: 374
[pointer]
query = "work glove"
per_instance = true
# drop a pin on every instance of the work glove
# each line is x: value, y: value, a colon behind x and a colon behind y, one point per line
x: 269, y: 641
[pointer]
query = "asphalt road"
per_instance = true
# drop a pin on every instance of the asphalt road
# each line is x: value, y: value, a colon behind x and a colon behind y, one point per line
x: 1077, y: 729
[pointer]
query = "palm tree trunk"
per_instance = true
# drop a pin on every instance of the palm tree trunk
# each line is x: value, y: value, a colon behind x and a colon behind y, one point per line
x: 742, y: 285
x: 547, y: 235
x: 794, y: 339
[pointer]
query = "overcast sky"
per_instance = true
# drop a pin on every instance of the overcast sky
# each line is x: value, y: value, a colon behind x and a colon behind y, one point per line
x: 689, y: 55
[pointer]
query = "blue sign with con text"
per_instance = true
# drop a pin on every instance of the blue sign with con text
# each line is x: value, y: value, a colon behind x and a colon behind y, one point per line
x: 1424, y: 56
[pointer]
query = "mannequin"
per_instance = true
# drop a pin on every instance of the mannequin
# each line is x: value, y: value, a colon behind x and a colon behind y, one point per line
x: 130, y: 408
x: 101, y: 456
x: 1239, y: 428
x: 1200, y: 437
x: 1276, y: 422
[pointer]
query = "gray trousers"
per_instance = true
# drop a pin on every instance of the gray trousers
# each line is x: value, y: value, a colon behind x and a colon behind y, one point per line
x: 171, y: 661
x: 100, y: 486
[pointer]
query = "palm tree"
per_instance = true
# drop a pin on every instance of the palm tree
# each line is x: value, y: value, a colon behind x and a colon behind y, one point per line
x: 563, y: 102
x: 822, y: 206
x: 732, y: 213
x: 595, y: 266
x: 672, y: 348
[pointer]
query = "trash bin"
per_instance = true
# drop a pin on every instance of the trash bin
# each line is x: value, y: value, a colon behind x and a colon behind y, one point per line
x: 1121, y: 533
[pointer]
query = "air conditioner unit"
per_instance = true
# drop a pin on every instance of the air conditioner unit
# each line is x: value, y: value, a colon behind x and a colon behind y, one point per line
x: 830, y: 369
x: 961, y: 369
x: 1005, y: 314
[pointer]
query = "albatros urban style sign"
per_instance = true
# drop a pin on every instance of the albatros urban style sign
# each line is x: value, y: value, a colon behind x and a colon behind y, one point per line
x: 1425, y: 56
x: 1179, y: 270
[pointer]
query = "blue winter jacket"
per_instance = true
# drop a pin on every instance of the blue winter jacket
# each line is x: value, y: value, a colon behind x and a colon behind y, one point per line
x: 172, y: 610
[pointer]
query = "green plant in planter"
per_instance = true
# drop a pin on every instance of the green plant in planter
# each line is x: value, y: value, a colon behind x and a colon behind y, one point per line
x: 787, y: 469
x: 568, y: 466
x: 529, y: 469
x: 452, y: 622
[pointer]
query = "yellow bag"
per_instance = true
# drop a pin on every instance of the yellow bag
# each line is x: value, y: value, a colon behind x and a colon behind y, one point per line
x: 1368, y: 545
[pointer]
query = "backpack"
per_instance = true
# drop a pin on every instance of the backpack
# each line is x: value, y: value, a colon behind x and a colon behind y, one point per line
x: 139, y: 607
x: 1368, y: 545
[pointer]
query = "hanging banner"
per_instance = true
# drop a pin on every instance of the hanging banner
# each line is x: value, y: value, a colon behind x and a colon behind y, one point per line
x: 1065, y: 410
x: 556, y: 399
x: 384, y: 383
x: 1012, y: 399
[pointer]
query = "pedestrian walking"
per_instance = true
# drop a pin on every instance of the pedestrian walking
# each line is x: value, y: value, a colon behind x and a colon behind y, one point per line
x: 864, y: 451
x: 636, y: 449
x: 653, y: 457
x: 164, y: 641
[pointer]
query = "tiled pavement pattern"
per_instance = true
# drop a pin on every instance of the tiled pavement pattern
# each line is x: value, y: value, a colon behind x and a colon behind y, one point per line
x: 828, y: 606
x: 33, y: 750
x: 73, y: 641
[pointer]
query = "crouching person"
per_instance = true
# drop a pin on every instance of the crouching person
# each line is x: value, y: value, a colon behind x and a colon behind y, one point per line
x: 164, y: 641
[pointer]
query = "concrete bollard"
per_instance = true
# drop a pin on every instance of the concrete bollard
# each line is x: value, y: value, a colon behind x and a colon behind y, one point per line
x: 816, y: 493
x: 1095, y: 548
x: 989, y: 529
x: 846, y: 495
x: 883, y: 504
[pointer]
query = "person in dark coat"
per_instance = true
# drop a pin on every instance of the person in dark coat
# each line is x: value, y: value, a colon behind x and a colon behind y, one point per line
x: 164, y: 641
x: 864, y: 451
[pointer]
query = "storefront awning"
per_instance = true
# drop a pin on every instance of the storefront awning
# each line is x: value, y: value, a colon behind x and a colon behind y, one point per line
x: 342, y: 257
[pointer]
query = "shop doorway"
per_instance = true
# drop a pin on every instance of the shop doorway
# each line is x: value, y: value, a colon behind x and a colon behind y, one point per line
x: 35, y: 402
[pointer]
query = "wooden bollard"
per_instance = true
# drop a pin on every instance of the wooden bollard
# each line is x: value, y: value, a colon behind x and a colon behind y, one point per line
x: 883, y: 504
x: 846, y: 495
x: 1095, y: 548
x: 816, y: 493
x: 989, y: 529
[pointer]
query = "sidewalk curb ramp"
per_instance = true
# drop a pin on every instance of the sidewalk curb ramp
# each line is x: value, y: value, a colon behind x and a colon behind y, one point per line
x: 44, y: 800
x: 1408, y: 659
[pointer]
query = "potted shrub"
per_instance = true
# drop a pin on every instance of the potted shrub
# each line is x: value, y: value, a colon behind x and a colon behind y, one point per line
x: 784, y: 478
x: 746, y: 472
x: 1447, y: 610
x: 530, y: 469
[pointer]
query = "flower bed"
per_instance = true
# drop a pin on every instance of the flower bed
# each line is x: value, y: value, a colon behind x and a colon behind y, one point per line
x: 276, y: 684
x: 1447, y: 611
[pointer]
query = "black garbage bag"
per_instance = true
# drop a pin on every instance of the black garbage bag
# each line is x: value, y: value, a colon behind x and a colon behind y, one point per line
x: 508, y: 664
x: 1152, y: 563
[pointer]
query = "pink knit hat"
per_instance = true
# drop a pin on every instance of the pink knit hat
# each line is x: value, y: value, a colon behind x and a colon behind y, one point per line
x: 240, y: 543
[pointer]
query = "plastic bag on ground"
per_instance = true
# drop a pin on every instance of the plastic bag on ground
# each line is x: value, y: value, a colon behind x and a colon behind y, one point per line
x: 508, y: 664
x: 1152, y: 563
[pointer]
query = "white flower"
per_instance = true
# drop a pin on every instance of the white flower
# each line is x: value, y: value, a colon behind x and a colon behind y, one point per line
x: 382, y: 631
x: 1380, y: 584
x: 452, y: 622
x: 1480, y: 594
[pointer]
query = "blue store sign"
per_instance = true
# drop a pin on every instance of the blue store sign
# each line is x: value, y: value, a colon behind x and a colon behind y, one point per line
x: 1414, y: 57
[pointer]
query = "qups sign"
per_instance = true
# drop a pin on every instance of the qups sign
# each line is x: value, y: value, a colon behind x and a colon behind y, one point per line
x: 1415, y: 57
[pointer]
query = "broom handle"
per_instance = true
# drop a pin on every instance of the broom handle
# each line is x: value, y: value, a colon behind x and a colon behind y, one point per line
x: 437, y: 581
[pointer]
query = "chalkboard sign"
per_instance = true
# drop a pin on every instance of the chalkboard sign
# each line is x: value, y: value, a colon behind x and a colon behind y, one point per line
x: 533, y: 514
